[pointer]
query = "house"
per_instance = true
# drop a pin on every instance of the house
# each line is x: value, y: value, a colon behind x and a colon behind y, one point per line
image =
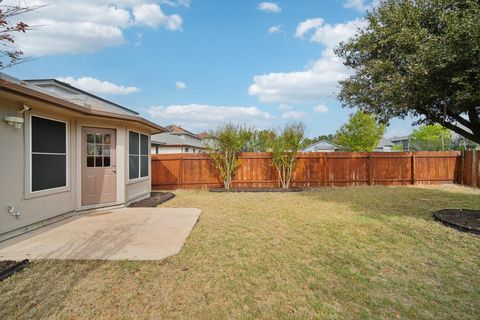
x: 207, y: 138
x: 66, y: 151
x: 404, y: 141
x: 176, y: 140
x: 323, y: 146
x: 384, y: 145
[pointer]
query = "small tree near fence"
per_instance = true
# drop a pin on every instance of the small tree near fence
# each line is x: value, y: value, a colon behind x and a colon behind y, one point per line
x: 285, y: 147
x: 228, y: 142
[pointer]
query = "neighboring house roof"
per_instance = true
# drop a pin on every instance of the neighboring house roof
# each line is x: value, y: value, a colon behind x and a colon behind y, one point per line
x: 29, y: 90
x: 399, y: 139
x: 322, y: 145
x: 168, y: 139
x: 384, y: 143
x: 204, y: 135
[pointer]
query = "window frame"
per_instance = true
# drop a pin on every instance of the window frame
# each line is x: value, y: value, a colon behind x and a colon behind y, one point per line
x: 67, y: 156
x: 140, y: 178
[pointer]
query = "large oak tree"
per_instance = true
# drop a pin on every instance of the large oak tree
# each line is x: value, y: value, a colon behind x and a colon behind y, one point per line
x: 418, y: 58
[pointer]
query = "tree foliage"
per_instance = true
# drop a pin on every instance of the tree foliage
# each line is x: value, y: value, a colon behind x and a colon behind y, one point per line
x: 362, y: 132
x: 285, y: 147
x: 9, y: 26
x: 228, y: 141
x: 418, y: 58
x: 431, y: 138
x: 258, y: 141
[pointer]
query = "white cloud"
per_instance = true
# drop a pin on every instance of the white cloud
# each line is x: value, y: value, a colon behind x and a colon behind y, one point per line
x: 178, y: 3
x: 307, y: 25
x: 180, y: 85
x: 359, y: 5
x: 275, y: 29
x: 206, y: 117
x: 294, y: 115
x: 319, y: 79
x: 321, y: 109
x: 269, y: 7
x: 96, y: 86
x: 284, y: 107
x: 152, y: 15
x: 66, y: 26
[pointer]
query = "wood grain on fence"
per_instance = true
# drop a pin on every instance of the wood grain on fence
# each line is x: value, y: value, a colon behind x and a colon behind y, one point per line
x: 470, y: 169
x: 316, y: 169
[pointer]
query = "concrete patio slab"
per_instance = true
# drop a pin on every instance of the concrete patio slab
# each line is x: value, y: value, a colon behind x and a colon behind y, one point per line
x: 121, y: 234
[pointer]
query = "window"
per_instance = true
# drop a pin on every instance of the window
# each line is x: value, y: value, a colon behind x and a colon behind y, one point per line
x: 137, y: 155
x: 48, y: 154
x: 186, y: 149
x: 98, y: 149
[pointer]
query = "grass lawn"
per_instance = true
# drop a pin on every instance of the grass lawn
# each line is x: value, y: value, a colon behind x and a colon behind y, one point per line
x: 340, y: 253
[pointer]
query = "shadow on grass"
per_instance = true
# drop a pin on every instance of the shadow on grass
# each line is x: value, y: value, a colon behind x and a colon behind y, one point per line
x: 395, y: 201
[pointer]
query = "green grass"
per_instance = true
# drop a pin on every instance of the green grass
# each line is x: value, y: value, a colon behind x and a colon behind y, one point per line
x: 340, y: 253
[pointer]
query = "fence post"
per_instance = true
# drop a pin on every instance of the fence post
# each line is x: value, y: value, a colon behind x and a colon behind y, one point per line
x: 325, y: 172
x: 462, y: 165
x: 474, y: 169
x: 180, y: 175
x: 413, y: 169
x: 370, y: 175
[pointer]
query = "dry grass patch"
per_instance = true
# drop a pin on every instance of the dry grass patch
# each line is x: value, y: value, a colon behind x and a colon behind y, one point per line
x: 346, y: 253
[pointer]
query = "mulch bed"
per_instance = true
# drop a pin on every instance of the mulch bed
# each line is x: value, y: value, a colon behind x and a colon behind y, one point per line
x: 9, y: 268
x: 155, y: 199
x: 256, y: 190
x: 463, y: 220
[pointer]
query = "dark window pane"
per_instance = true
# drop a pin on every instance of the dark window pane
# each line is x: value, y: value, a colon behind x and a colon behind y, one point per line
x: 106, y: 161
x: 90, y: 137
x: 98, y: 138
x: 90, y: 162
x: 98, y: 162
x: 144, y: 167
x: 144, y: 144
x: 48, y: 171
x: 133, y: 142
x: 133, y: 167
x: 48, y: 136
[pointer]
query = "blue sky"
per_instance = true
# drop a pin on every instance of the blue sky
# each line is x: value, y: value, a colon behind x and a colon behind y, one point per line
x: 199, y: 63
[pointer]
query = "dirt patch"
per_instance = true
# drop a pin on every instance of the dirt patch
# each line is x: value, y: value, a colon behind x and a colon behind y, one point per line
x: 257, y: 190
x: 155, y: 199
x: 464, y: 220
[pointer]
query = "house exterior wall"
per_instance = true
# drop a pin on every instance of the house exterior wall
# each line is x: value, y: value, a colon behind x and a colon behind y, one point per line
x: 40, y: 208
x: 173, y: 150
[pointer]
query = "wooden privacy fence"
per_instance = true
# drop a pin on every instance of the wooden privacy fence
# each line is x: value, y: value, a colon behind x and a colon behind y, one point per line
x: 316, y: 169
x: 470, y: 169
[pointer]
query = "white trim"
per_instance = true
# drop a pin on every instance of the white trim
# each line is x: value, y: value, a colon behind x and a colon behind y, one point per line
x: 140, y: 178
x: 66, y: 154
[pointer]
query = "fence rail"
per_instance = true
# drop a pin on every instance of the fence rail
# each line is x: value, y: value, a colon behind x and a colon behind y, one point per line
x: 319, y: 169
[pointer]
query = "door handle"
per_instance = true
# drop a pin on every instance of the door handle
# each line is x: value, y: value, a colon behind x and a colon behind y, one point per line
x: 114, y: 170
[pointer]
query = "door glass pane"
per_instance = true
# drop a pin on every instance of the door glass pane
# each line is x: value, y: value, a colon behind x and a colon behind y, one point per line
x: 90, y: 137
x: 98, y: 150
x: 106, y: 139
x: 98, y: 162
x: 90, y: 149
x: 106, y: 161
x: 98, y: 138
x: 106, y: 150
x: 90, y: 162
